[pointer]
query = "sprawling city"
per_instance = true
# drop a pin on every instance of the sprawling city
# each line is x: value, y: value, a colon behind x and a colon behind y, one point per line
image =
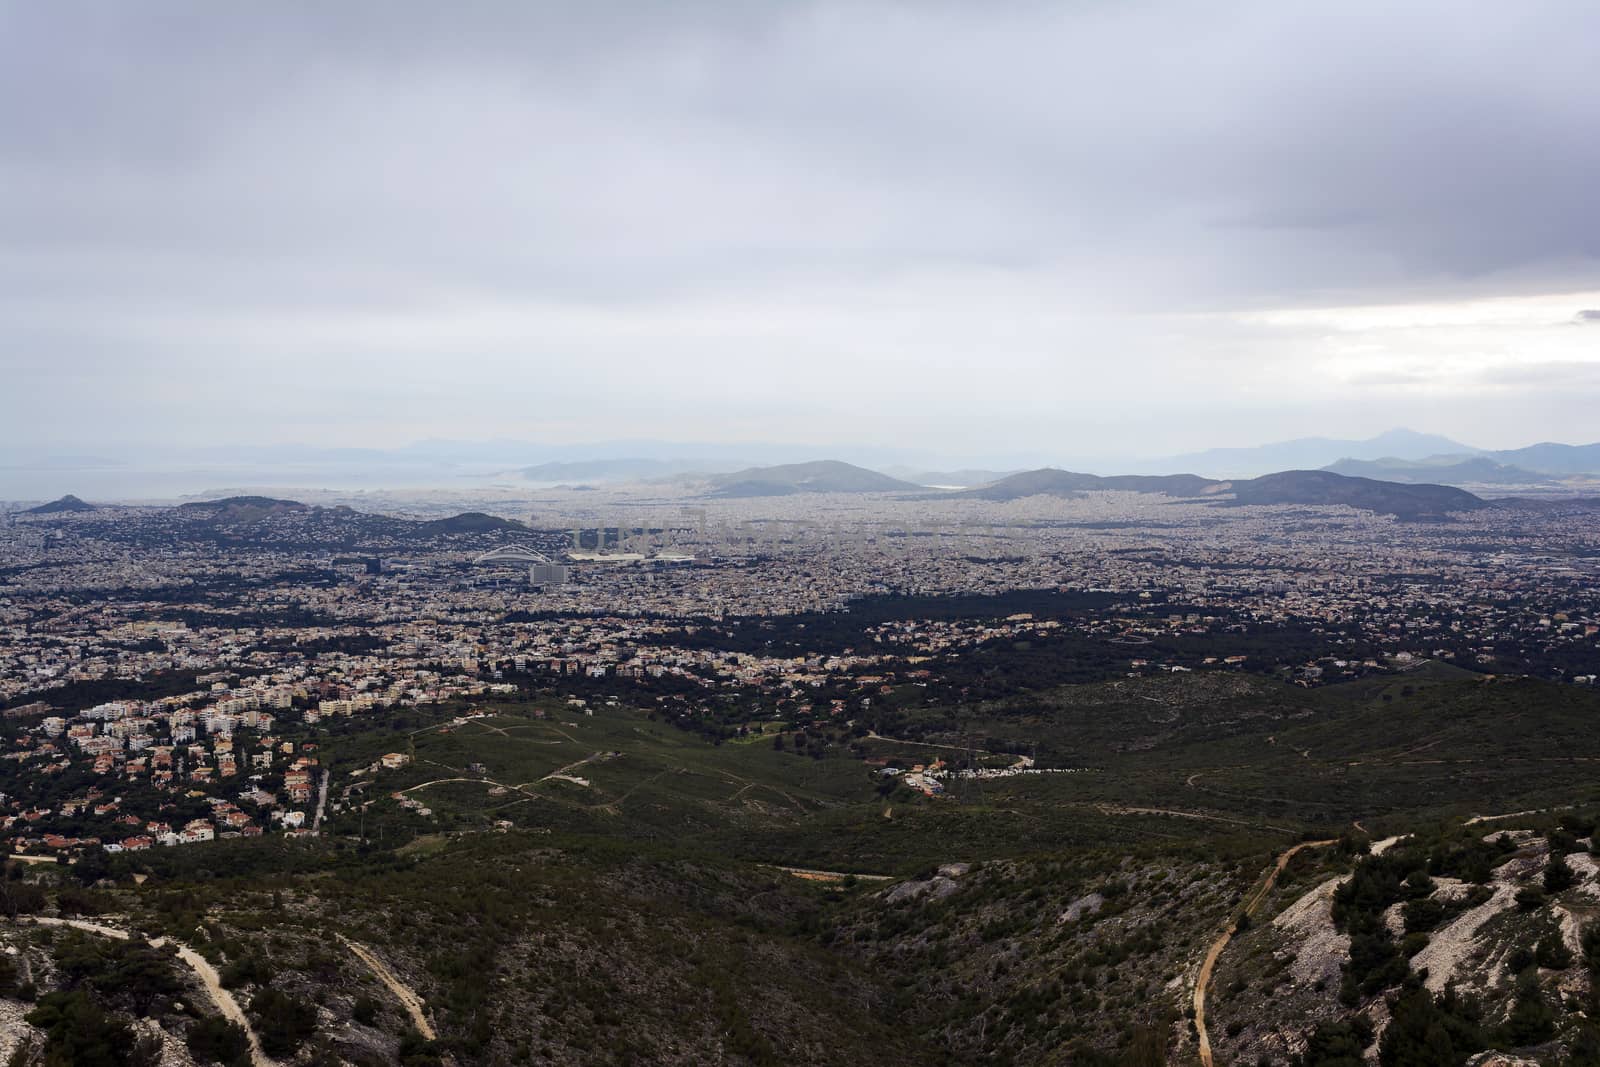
x: 184, y: 685
x: 749, y: 534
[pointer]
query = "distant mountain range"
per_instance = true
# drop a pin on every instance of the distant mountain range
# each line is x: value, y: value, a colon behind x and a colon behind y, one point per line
x: 638, y: 469
x: 1391, y: 453
x: 1552, y: 458
x: 820, y: 476
x: 1410, y: 499
x: 1441, y: 470
x: 962, y: 478
x: 1403, y: 500
x: 1406, y: 501
x: 1400, y: 455
x: 1308, y: 453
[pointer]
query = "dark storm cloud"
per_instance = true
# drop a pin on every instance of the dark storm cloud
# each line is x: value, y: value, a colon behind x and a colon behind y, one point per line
x: 186, y: 182
x: 1280, y: 147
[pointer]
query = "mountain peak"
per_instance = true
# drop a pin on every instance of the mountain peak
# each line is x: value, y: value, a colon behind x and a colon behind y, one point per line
x: 817, y: 476
x: 68, y: 503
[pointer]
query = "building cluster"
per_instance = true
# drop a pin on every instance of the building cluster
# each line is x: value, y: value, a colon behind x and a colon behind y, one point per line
x: 152, y: 660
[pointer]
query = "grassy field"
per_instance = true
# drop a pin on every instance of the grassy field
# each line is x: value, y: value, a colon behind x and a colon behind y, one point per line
x: 1182, y: 759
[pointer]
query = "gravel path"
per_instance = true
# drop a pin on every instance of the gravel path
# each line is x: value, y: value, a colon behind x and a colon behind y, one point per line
x: 405, y: 994
x: 226, y: 1005
x: 1221, y: 943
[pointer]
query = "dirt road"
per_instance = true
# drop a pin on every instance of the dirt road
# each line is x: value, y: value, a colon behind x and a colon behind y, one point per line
x: 827, y: 876
x: 322, y: 803
x: 1120, y: 809
x: 404, y: 993
x: 226, y: 1005
x: 1215, y: 952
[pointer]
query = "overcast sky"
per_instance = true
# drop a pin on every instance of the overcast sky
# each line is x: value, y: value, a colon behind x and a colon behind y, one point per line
x: 977, y: 227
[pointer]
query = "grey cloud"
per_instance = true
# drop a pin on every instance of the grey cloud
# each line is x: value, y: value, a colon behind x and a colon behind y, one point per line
x: 210, y: 183
x: 1588, y: 315
x: 1235, y: 152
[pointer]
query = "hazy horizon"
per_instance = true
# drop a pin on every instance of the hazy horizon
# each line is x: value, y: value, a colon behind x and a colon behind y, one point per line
x: 170, y: 472
x: 965, y: 230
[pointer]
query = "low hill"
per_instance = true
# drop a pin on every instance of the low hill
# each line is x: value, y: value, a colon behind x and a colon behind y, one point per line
x: 820, y: 476
x: 267, y: 502
x: 241, y: 508
x: 1407, y: 501
x: 470, y: 522
x: 65, y: 505
x: 1051, y: 482
x: 1365, y: 494
x: 1445, y: 470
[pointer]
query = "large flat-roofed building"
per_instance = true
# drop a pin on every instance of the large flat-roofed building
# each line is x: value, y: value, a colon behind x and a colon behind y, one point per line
x: 547, y: 574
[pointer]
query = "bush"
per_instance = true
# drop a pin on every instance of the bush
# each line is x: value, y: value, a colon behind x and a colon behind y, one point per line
x: 1520, y: 959
x: 1532, y: 1019
x: 1552, y: 952
x: 1337, y: 1044
x: 1558, y: 875
x: 20, y: 898
x: 364, y: 1010
x: 282, y: 1022
x: 1591, y: 946
x: 132, y: 974
x: 416, y: 1051
x: 1374, y: 964
x: 73, y: 901
x: 216, y: 1040
x: 80, y: 1032
x: 246, y: 970
x: 1423, y: 915
x: 1585, y: 1048
x: 1576, y: 825
x: 1425, y: 1031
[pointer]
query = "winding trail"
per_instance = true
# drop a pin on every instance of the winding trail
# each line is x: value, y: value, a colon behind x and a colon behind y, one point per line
x: 523, y: 789
x: 322, y: 803
x: 405, y: 994
x: 873, y: 735
x: 1120, y: 809
x: 1215, y: 952
x: 1516, y: 814
x: 811, y: 875
x: 226, y: 1005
